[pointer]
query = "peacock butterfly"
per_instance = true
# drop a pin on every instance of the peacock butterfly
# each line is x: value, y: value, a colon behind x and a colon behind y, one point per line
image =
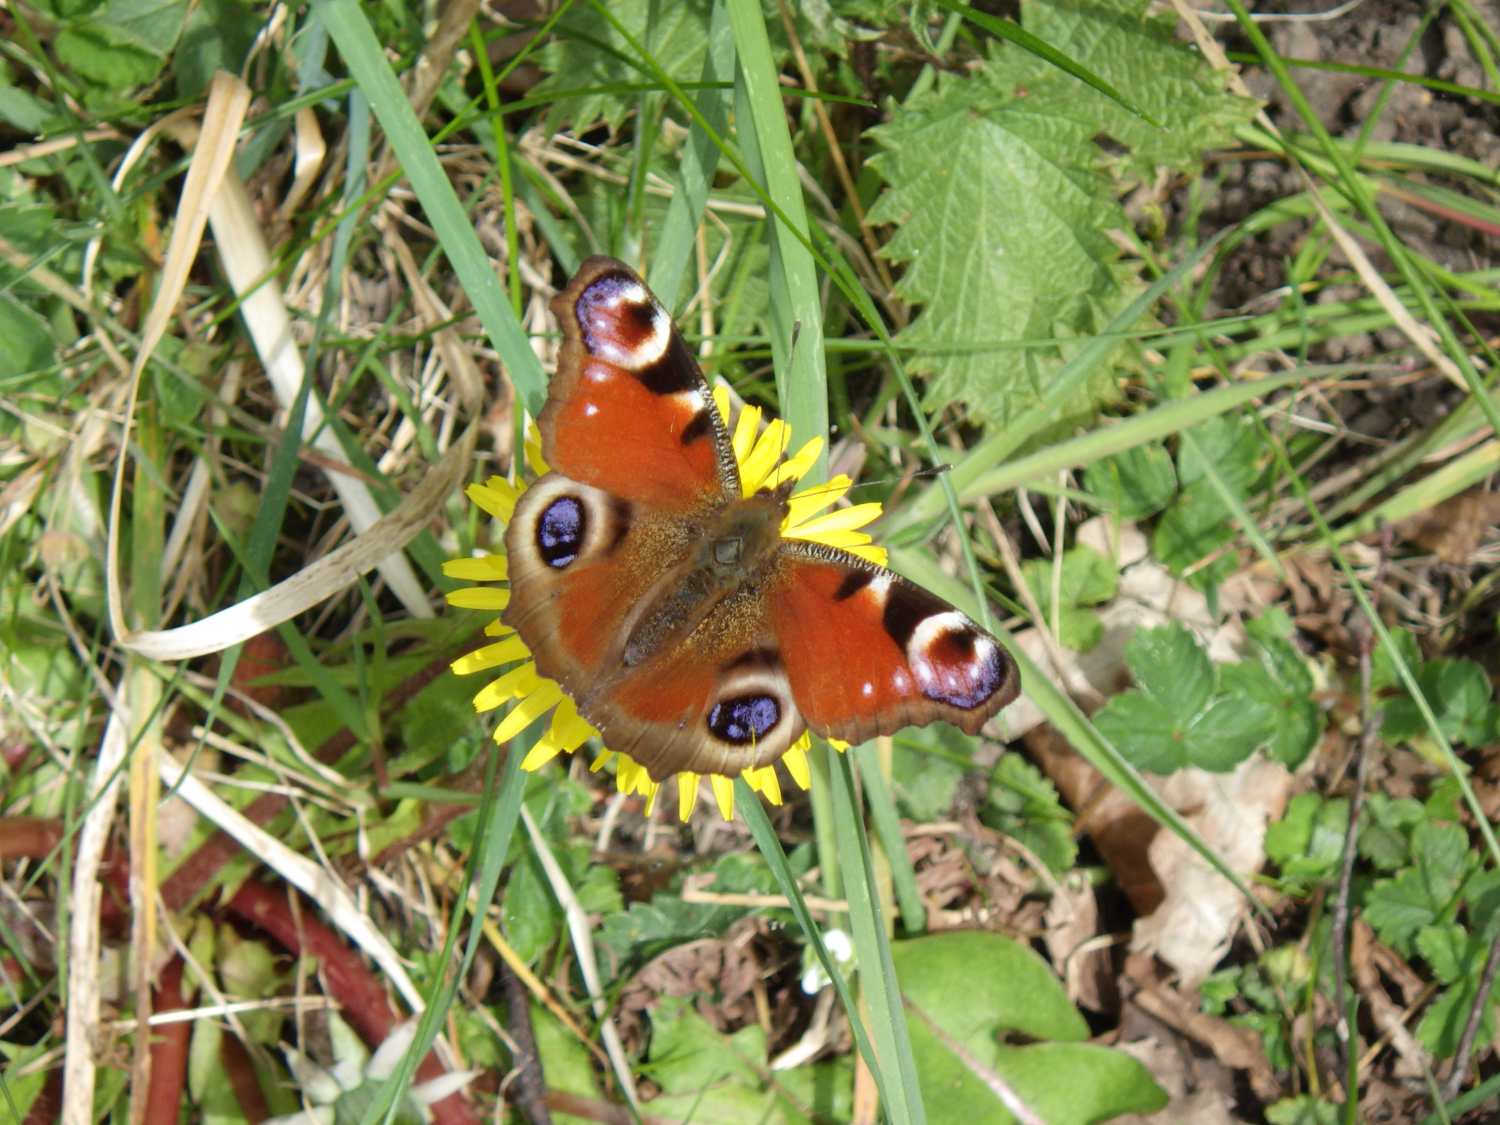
x: 667, y: 604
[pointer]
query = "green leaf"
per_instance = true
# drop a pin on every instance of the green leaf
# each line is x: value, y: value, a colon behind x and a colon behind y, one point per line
x: 124, y: 43
x: 1442, y: 1024
x: 645, y: 929
x: 1304, y: 1110
x: 1227, y: 732
x: 1064, y: 1082
x: 1024, y: 805
x: 1171, y: 667
x: 25, y: 344
x: 1459, y: 694
x: 1196, y: 526
x: 926, y: 768
x: 706, y: 1075
x: 586, y: 53
x: 1446, y: 949
x: 1143, y: 57
x: 1308, y: 841
x: 1383, y: 675
x: 1086, y: 578
x: 1277, y: 677
x: 1386, y: 824
x: 1398, y: 908
x: 964, y: 167
x: 1136, y: 484
x: 218, y: 35
x: 1145, y: 732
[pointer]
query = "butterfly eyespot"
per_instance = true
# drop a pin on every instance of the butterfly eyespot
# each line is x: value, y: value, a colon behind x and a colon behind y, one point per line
x: 955, y: 663
x: 560, y: 531
x: 744, y: 719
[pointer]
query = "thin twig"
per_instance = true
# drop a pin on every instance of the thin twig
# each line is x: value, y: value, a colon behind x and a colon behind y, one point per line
x: 1471, y: 1025
x: 529, y: 1092
x: 1369, y: 735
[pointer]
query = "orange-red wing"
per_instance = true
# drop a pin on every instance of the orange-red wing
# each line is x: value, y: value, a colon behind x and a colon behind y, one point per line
x: 628, y: 410
x: 867, y: 652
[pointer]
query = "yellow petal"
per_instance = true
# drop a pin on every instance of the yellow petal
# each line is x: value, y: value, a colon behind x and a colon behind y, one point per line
x: 514, y: 684
x: 723, y: 793
x: 815, y: 498
x: 837, y: 743
x: 569, y: 729
x: 479, y: 597
x: 841, y: 519
x: 795, y: 761
x: 482, y: 568
x: 497, y: 497
x: 871, y: 553
x: 490, y: 656
x: 797, y: 465
x: 539, y: 755
x: 745, y: 427
x: 601, y: 761
x: 651, y: 799
x: 498, y: 628
x: 765, y: 782
x: 687, y: 794
x: 524, y: 713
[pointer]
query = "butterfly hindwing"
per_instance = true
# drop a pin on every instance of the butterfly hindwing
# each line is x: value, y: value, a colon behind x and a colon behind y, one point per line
x: 868, y: 652
x: 628, y: 410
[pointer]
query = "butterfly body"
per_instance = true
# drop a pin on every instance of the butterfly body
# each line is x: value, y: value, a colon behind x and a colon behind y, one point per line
x: 684, y: 626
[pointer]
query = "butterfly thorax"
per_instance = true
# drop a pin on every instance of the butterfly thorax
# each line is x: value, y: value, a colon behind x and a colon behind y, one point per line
x: 733, y: 550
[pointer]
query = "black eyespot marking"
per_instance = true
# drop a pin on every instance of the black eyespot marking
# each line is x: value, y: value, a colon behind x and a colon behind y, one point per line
x: 744, y: 719
x: 560, y: 531
x: 853, y: 583
x: 904, y: 611
x: 676, y: 371
x: 700, y: 427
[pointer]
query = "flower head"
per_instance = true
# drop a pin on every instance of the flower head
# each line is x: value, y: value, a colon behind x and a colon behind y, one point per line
x: 759, y: 454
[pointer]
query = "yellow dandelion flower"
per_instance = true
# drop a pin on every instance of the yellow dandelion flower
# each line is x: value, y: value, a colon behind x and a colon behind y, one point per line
x: 760, y: 453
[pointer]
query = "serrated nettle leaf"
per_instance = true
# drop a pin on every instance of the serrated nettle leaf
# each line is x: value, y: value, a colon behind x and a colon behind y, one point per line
x: 966, y: 167
x: 1141, y: 55
x: 1137, y: 483
x: 587, y: 53
x: 1169, y: 665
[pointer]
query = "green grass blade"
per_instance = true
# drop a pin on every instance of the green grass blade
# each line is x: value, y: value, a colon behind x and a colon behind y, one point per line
x: 362, y: 54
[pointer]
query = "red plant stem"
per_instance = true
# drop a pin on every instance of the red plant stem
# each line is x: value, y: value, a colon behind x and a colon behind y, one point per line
x: 239, y: 1068
x: 347, y: 978
x: 169, y: 1047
